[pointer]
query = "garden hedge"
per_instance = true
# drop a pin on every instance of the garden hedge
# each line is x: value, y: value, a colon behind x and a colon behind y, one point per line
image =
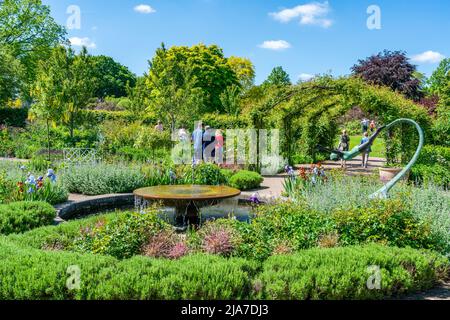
x: 27, y: 273
x: 343, y: 273
x: 23, y: 216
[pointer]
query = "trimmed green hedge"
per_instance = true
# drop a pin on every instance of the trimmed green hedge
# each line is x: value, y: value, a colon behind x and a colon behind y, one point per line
x: 246, y: 180
x: 23, y: 216
x: 343, y: 273
x: 15, y: 117
x: 34, y: 274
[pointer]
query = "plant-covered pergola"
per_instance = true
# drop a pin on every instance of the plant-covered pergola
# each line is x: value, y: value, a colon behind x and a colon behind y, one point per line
x: 308, y: 114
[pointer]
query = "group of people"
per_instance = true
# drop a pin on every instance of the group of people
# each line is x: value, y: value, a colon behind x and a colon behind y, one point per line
x: 344, y: 144
x: 208, y: 143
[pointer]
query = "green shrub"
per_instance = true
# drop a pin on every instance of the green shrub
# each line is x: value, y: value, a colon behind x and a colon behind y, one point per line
x: 432, y: 155
x: 384, y: 221
x: 206, y: 174
x: 343, y: 273
x: 103, y: 179
x: 427, y: 173
x: 23, y: 216
x: 27, y: 273
x: 246, y: 180
x: 122, y: 237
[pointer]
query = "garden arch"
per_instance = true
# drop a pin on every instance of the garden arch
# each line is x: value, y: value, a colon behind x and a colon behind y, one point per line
x: 309, y: 113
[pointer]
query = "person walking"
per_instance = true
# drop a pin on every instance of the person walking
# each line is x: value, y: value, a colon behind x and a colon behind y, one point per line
x: 366, y: 153
x: 219, y: 147
x: 159, y: 127
x: 197, y: 138
x: 209, y: 138
x: 344, y: 145
x: 365, y: 125
x: 372, y: 126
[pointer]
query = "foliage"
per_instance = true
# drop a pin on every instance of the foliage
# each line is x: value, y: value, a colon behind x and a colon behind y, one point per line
x: 10, y: 77
x: 344, y: 273
x: 199, y: 68
x: 112, y: 78
x: 278, y: 77
x: 122, y: 237
x: 436, y: 174
x: 244, y: 70
x: 230, y: 100
x: 103, y: 179
x: 246, y: 180
x: 34, y: 274
x: 23, y: 216
x: 207, y: 174
x: 14, y: 117
x: 29, y: 31
x: 391, y: 69
x: 175, y: 94
x: 63, y: 88
x: 439, y: 81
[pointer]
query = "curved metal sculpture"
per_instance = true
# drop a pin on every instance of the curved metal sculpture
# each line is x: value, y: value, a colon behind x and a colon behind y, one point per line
x: 349, y: 155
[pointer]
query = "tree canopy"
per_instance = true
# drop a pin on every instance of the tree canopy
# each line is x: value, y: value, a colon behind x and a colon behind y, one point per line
x: 278, y: 77
x: 112, y: 78
x: 29, y: 32
x: 209, y: 71
x: 390, y: 69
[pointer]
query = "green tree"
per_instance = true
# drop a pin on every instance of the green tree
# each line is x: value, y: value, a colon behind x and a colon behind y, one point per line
x: 112, y: 77
x: 440, y: 79
x: 244, y: 70
x: 10, y: 71
x: 208, y: 70
x: 278, y: 77
x: 174, y: 91
x: 138, y: 95
x: 64, y: 87
x: 29, y: 31
x: 231, y: 100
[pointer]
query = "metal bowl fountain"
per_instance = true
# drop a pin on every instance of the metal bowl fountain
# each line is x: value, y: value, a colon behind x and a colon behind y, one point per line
x: 186, y: 199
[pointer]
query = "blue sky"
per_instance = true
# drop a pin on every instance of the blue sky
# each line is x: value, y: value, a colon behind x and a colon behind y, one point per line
x: 304, y: 37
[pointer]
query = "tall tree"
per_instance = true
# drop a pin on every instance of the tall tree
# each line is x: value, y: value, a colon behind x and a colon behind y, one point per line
x: 244, y: 70
x: 440, y: 79
x: 112, y: 77
x: 208, y: 70
x: 29, y: 31
x: 391, y: 69
x: 278, y: 77
x: 65, y: 85
x: 174, y: 93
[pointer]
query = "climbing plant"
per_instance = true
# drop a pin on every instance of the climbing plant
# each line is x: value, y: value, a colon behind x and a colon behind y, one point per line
x: 308, y: 114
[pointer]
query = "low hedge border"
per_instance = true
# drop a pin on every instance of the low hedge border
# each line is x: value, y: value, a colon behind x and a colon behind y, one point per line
x: 338, y: 273
x: 23, y: 216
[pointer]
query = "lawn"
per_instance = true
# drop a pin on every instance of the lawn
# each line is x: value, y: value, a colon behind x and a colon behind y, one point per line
x: 378, y: 148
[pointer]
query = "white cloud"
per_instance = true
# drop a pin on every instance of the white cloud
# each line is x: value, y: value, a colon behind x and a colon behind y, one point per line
x: 144, y: 8
x: 305, y: 77
x: 313, y: 13
x: 428, y: 57
x: 277, y: 45
x: 80, y: 42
